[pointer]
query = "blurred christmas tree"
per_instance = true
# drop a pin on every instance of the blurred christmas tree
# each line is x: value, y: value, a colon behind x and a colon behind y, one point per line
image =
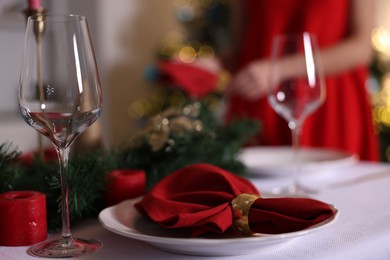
x: 182, y: 87
x: 203, y: 31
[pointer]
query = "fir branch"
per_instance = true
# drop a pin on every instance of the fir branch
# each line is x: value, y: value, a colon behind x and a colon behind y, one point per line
x: 8, y: 173
x: 86, y: 183
x: 215, y: 145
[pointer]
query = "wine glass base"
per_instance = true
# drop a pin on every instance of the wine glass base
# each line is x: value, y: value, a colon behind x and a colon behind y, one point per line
x: 61, y: 248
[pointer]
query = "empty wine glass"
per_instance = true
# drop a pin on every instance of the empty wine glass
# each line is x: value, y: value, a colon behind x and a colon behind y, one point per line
x: 60, y: 97
x: 297, y: 89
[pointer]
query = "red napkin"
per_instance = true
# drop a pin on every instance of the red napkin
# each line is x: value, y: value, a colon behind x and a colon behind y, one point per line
x: 195, y: 81
x: 197, y: 198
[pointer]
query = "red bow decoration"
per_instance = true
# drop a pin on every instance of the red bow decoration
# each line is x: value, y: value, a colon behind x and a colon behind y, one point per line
x: 202, y: 197
x: 194, y: 81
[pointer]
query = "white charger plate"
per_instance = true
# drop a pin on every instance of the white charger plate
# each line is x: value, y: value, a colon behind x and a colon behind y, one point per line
x: 124, y: 219
x: 278, y: 161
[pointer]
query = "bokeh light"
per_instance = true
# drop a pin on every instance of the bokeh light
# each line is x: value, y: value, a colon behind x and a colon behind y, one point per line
x: 187, y: 54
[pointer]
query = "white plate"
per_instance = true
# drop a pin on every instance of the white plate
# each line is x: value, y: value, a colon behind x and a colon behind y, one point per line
x: 124, y: 219
x: 277, y: 161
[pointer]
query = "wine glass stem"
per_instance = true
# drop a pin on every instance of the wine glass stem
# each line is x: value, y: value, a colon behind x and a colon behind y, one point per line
x: 296, y: 134
x: 63, y: 156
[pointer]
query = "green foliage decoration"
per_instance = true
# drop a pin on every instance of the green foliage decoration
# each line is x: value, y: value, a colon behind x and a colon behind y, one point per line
x: 195, y: 137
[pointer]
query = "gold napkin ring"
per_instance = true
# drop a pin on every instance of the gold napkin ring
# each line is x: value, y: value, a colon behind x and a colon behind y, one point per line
x: 241, y: 206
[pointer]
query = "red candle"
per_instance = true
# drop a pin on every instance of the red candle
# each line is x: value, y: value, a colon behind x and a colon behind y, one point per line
x: 22, y: 218
x: 124, y: 184
x: 34, y: 4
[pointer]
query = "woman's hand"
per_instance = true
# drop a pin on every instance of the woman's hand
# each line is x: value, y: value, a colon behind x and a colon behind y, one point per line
x: 252, y: 82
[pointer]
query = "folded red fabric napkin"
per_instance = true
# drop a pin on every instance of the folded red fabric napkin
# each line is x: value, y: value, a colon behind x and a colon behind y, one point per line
x: 199, y: 198
x: 195, y: 81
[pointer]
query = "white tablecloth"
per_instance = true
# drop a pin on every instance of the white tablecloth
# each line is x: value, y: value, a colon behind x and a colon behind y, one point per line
x: 361, y: 192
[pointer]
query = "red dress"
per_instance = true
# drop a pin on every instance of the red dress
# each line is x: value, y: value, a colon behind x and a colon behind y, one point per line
x: 344, y: 120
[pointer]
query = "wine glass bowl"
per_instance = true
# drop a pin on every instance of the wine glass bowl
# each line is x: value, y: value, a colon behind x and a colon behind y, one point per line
x: 296, y: 88
x: 60, y: 96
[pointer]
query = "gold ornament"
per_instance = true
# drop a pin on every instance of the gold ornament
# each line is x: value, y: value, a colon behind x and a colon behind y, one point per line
x: 170, y: 121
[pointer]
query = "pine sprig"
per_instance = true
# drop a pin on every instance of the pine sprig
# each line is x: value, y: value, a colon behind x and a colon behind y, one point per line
x: 8, y: 172
x: 86, y: 183
x: 215, y: 144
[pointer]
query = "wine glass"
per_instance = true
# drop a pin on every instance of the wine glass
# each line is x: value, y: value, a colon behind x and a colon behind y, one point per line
x: 296, y: 90
x: 60, y: 97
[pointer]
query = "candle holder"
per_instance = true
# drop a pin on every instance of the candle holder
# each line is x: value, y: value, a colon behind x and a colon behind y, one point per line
x: 39, y: 12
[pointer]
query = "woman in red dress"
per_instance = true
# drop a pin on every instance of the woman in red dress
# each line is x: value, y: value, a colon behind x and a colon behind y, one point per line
x: 343, y: 30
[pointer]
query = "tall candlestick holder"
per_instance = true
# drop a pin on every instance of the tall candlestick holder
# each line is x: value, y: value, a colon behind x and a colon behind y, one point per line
x: 38, y: 12
x: 39, y: 30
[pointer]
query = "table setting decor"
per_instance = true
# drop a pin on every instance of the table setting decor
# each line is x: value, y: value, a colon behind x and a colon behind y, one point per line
x: 88, y: 172
x: 200, y: 213
x: 192, y: 135
x: 176, y: 135
x: 123, y: 219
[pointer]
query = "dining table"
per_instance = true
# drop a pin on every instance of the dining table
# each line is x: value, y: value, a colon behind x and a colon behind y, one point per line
x: 360, y: 191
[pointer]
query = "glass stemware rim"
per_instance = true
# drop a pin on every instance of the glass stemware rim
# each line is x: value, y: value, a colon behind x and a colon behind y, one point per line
x: 57, y: 18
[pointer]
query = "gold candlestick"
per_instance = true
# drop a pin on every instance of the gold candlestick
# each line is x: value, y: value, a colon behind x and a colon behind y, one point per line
x: 39, y: 12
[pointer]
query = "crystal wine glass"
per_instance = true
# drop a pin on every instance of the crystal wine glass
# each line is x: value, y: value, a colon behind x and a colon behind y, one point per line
x: 297, y: 89
x: 60, y: 97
